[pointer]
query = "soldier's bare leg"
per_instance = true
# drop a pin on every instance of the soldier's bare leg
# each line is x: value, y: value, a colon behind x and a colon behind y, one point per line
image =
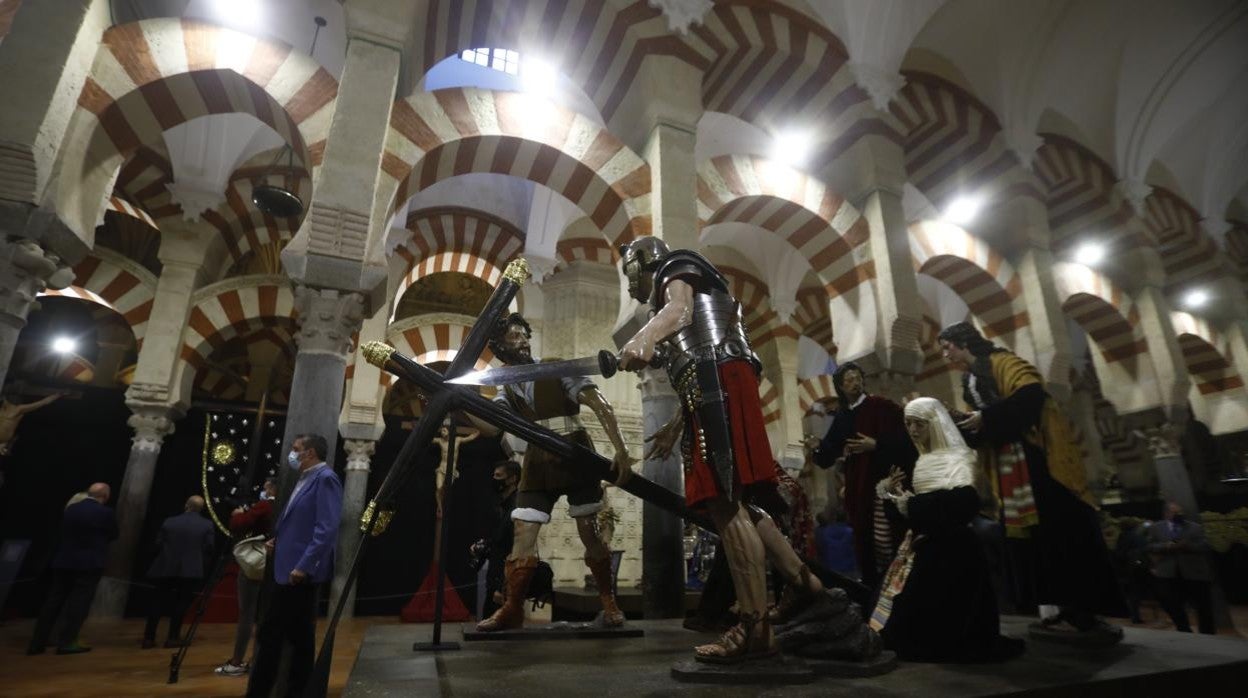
x: 752, y: 637
x: 521, y: 564
x: 598, y: 560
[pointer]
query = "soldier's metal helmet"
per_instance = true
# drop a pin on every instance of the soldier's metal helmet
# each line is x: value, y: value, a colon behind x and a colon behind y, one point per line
x: 640, y: 258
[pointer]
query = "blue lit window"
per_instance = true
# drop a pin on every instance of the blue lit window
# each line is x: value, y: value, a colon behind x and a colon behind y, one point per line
x: 500, y: 59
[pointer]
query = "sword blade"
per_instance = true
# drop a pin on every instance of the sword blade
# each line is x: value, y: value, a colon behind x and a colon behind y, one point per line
x: 507, y: 375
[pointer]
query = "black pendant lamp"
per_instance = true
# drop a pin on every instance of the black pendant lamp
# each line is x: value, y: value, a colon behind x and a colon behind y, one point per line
x: 281, y: 201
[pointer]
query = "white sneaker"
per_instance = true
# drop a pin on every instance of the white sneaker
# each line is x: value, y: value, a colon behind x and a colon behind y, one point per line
x: 231, y: 669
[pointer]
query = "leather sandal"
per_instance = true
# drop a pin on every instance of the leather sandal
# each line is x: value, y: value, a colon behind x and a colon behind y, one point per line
x: 749, y: 640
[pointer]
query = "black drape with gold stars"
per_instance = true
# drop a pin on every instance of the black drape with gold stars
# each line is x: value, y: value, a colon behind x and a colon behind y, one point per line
x: 227, y: 446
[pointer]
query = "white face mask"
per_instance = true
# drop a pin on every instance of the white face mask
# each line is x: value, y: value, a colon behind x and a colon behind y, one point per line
x: 264, y: 496
x: 292, y: 459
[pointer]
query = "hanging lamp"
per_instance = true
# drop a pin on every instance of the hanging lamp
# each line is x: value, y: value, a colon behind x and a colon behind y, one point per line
x: 282, y: 201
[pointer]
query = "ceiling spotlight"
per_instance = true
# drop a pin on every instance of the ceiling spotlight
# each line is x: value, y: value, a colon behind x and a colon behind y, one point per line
x: 1196, y: 299
x: 64, y: 345
x: 1090, y: 254
x: 538, y: 75
x: 240, y: 13
x: 963, y: 209
x: 791, y: 148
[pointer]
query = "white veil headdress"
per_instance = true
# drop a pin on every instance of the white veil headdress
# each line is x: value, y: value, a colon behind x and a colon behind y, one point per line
x: 949, y: 462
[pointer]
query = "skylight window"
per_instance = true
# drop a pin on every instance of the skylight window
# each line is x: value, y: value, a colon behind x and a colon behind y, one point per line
x: 500, y: 59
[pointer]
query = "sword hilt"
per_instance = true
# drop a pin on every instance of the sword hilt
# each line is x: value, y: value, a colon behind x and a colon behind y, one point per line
x: 609, y: 364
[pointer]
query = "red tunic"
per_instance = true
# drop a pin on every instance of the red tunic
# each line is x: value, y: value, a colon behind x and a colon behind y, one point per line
x: 755, y: 464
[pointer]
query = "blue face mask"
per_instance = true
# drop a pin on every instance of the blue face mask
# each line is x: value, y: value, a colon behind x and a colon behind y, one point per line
x: 292, y: 459
x: 264, y: 496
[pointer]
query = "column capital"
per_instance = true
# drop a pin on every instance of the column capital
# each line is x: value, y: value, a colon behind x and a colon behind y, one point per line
x: 359, y: 453
x: 327, y: 319
x: 26, y: 269
x: 151, y: 424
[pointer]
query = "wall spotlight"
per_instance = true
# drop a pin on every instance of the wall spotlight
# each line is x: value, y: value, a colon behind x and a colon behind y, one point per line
x: 963, y: 209
x: 1090, y: 254
x: 1196, y: 299
x: 64, y: 345
x: 791, y: 148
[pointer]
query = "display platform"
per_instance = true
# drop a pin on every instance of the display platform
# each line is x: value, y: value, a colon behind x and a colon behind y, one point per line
x: 1147, y: 662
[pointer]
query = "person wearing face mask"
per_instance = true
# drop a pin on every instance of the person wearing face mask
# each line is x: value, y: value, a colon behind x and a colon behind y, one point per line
x: 305, y: 536
x: 495, y: 549
x: 866, y: 440
x: 245, y: 522
x: 1181, y: 566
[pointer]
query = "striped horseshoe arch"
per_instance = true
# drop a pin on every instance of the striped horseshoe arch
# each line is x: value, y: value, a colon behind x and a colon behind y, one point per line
x: 443, y: 134
x: 1101, y: 309
x: 152, y: 75
x: 1187, y: 251
x: 599, y: 46
x: 814, y: 389
x: 1080, y: 194
x: 115, y: 282
x: 456, y: 239
x: 981, y: 277
x: 771, y: 65
x: 822, y: 226
x: 588, y: 250
x: 769, y: 396
x: 228, y: 309
x: 953, y: 144
x: 762, y: 323
x: 1204, y: 353
x: 434, y: 337
x: 812, y: 319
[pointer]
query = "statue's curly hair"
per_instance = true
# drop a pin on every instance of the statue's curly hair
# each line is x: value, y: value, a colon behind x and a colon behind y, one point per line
x: 964, y: 335
x: 499, y: 330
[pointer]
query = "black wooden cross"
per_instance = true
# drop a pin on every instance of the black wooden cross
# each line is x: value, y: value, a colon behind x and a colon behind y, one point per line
x: 443, y: 399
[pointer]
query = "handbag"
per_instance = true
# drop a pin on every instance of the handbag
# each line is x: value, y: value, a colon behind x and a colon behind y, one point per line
x: 249, y: 553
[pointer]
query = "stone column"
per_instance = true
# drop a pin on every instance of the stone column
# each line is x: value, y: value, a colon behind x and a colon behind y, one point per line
x: 114, y: 341
x: 871, y: 174
x: 780, y: 366
x: 327, y: 319
x: 26, y: 269
x: 151, y: 425
x: 670, y: 112
x: 354, y: 497
x: 662, y: 534
x: 150, y: 398
x: 44, y: 61
x: 1173, y: 381
x: 1049, y: 337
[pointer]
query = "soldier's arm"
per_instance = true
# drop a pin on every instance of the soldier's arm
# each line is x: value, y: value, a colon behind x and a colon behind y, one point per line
x: 592, y: 397
x: 676, y: 314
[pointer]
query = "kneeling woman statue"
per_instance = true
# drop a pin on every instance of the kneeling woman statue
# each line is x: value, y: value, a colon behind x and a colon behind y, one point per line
x: 937, y: 603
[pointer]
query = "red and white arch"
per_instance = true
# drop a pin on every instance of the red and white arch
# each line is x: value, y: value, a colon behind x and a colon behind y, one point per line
x: 443, y: 134
x: 152, y: 75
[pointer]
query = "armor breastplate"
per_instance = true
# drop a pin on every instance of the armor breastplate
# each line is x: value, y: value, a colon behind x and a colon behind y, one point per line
x: 716, y: 333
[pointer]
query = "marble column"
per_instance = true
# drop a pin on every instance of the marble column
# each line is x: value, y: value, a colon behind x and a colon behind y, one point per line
x: 671, y: 117
x: 871, y: 174
x: 26, y: 269
x: 327, y: 319
x: 662, y: 534
x: 354, y: 497
x: 1050, y: 340
x: 151, y: 425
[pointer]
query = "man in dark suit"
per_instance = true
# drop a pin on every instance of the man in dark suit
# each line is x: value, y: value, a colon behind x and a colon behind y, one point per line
x: 303, y: 558
x: 1181, y: 566
x: 183, y: 547
x: 86, y: 529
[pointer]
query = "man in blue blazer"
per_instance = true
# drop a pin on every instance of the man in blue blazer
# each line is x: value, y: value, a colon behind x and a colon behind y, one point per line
x: 86, y: 530
x: 303, y: 558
